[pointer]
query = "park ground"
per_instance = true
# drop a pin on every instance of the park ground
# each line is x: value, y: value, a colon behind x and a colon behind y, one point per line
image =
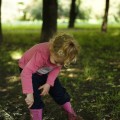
x: 93, y: 82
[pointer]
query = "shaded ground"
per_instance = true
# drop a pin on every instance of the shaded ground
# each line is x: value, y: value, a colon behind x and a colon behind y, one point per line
x: 93, y: 82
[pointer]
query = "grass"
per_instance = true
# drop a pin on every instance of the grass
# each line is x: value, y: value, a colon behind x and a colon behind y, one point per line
x: 93, y: 82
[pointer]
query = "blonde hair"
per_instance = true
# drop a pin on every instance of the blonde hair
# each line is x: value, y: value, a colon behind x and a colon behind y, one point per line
x: 64, y: 45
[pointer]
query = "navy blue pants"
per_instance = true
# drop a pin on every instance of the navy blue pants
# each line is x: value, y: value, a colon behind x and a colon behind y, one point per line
x: 57, y: 92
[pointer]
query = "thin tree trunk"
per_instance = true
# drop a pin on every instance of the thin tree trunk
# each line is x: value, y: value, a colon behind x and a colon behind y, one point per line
x: 1, y: 37
x: 105, y: 18
x: 73, y: 14
x: 49, y: 26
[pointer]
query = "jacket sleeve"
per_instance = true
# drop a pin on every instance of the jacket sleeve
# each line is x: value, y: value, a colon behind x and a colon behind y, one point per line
x: 31, y: 67
x: 53, y: 75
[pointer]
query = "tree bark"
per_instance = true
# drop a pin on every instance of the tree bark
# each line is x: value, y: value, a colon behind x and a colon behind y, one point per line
x: 49, y: 26
x: 73, y: 14
x: 1, y: 37
x: 105, y: 18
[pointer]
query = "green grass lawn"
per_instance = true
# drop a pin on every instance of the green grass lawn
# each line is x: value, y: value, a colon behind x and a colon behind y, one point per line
x: 93, y: 82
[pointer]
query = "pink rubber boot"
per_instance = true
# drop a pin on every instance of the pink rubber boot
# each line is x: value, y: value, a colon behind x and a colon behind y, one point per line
x: 36, y: 114
x: 70, y: 112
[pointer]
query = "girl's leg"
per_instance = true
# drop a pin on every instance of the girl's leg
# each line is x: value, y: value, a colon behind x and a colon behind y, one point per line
x: 58, y: 93
x: 68, y: 108
x: 36, y: 114
x: 71, y: 113
x: 36, y: 109
x: 62, y: 98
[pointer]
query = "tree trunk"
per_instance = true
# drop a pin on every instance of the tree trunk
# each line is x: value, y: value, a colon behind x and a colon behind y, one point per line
x: 49, y: 26
x: 73, y: 14
x: 0, y: 23
x: 105, y: 18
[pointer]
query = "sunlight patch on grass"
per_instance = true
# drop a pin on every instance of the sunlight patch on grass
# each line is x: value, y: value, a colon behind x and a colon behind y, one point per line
x: 70, y: 72
x: 72, y: 75
x: 89, y: 73
x: 116, y: 33
x: 62, y: 73
x: 90, y: 70
x: 69, y: 75
x: 12, y: 79
x: 73, y: 70
x: 16, y: 55
x: 3, y: 89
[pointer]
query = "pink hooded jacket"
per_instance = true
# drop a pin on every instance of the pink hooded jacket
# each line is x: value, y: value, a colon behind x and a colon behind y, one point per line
x: 36, y: 59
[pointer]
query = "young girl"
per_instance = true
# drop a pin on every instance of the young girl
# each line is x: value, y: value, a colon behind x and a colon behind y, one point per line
x: 40, y: 66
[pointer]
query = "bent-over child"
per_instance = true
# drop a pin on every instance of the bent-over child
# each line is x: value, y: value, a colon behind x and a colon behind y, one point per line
x: 40, y: 66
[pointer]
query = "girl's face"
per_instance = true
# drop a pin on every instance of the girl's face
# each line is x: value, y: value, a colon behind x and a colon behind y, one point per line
x: 59, y: 61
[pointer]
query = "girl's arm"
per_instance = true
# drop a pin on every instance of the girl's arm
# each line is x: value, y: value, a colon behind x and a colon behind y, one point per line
x: 53, y: 75
x: 26, y: 75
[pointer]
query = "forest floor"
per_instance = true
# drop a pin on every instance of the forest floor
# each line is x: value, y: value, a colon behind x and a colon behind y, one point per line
x: 93, y: 82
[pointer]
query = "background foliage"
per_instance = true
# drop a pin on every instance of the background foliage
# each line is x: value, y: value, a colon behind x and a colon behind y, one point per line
x: 32, y: 10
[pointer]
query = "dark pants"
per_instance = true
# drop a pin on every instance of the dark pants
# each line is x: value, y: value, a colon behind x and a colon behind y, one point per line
x: 57, y: 92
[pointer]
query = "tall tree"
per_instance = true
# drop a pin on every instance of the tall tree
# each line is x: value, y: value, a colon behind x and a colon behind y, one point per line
x: 105, y: 18
x: 49, y: 26
x: 0, y: 23
x: 73, y: 14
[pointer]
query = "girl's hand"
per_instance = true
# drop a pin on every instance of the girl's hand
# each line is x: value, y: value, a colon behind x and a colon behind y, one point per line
x: 29, y: 100
x: 46, y: 88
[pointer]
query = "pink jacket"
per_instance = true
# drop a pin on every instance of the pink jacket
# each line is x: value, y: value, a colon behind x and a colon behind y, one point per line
x: 33, y: 60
